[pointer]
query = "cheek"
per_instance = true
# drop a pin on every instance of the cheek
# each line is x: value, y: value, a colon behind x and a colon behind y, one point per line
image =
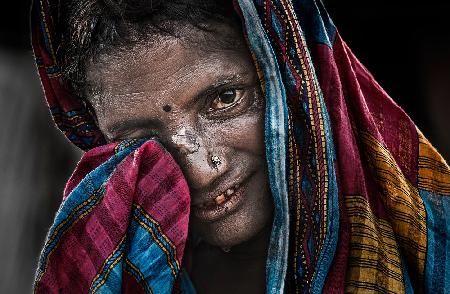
x: 245, y: 132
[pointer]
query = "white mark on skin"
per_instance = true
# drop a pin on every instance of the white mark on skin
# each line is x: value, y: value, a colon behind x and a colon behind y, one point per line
x: 186, y: 142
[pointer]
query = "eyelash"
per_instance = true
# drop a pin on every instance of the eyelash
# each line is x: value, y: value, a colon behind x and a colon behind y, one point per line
x: 233, y: 109
x: 131, y: 134
x: 247, y: 98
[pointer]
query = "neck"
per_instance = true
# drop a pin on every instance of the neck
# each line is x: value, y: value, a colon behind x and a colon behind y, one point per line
x: 241, y: 269
x: 254, y: 248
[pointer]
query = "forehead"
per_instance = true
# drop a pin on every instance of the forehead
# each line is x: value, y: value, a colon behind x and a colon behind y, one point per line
x: 162, y: 57
x: 177, y: 64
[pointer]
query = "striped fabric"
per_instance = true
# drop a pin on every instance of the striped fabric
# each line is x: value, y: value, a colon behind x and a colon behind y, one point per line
x: 367, y: 193
x: 361, y: 197
x: 122, y: 225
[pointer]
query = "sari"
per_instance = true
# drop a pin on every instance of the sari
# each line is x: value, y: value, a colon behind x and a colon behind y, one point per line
x: 361, y: 197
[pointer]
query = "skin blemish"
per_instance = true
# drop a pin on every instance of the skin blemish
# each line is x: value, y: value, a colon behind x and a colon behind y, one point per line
x: 185, y: 141
x: 211, y: 96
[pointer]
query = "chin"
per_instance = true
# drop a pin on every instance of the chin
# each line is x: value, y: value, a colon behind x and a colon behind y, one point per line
x: 240, y: 226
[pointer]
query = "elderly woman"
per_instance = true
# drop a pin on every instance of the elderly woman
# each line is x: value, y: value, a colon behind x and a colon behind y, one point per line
x: 232, y: 147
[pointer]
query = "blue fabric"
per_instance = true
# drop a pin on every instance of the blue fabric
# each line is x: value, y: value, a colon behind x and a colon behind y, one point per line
x: 82, y: 199
x: 110, y: 278
x: 276, y: 142
x: 148, y: 255
x: 328, y: 250
x: 318, y: 26
x: 276, y: 148
x: 437, y: 268
x: 112, y: 281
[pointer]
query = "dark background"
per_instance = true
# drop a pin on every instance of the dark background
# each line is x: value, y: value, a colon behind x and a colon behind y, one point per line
x: 406, y: 46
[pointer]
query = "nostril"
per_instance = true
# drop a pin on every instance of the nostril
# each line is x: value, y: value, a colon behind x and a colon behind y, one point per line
x: 200, y: 171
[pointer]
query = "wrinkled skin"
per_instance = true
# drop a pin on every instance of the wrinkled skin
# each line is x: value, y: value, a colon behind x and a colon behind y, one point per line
x: 199, y: 94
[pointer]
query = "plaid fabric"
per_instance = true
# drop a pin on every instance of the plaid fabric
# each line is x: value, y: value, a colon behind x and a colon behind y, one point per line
x: 122, y: 225
x: 361, y: 197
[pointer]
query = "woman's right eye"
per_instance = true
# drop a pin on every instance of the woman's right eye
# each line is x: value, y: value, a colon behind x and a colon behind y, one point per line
x: 136, y: 134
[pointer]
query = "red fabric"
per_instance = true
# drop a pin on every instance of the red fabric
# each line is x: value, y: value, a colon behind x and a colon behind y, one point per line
x: 147, y: 178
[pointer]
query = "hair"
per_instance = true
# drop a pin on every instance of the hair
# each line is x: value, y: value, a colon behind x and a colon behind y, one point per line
x: 89, y: 28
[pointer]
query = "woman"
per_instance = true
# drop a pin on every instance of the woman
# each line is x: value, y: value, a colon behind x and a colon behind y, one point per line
x: 294, y: 170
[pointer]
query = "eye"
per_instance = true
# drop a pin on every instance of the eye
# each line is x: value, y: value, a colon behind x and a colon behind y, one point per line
x: 135, y: 133
x: 226, y: 98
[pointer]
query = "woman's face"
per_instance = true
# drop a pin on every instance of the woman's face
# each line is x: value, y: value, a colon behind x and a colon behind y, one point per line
x: 200, y: 95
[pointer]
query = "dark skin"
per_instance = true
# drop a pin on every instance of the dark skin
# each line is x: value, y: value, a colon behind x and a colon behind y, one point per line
x: 204, y: 103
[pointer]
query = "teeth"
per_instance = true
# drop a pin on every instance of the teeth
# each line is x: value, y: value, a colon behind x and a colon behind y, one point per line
x: 220, y: 199
x: 223, y: 197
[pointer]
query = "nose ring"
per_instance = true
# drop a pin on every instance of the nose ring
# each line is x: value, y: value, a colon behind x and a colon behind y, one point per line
x: 215, y: 160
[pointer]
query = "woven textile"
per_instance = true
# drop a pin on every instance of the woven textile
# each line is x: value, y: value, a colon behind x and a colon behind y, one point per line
x: 361, y: 197
x: 367, y: 194
x: 122, y: 225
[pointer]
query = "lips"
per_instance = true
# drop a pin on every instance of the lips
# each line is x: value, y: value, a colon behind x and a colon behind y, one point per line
x: 220, y: 198
x: 221, y: 204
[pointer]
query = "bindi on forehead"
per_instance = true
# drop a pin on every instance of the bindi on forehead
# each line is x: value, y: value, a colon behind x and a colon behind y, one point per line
x: 167, y: 108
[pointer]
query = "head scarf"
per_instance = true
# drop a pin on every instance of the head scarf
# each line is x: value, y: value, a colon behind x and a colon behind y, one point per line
x: 361, y: 197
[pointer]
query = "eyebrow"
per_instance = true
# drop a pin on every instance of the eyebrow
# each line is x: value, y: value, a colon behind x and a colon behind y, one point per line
x: 118, y: 127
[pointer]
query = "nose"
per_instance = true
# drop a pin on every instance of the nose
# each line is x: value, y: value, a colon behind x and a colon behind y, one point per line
x: 201, y: 162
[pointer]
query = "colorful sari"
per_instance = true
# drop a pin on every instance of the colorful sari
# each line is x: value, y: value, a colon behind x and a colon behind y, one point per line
x: 361, y: 197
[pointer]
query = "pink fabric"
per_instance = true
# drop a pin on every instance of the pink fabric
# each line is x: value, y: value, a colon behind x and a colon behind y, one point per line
x: 148, y: 178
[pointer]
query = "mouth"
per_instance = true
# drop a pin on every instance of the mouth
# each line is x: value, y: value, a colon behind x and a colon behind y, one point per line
x: 221, y: 205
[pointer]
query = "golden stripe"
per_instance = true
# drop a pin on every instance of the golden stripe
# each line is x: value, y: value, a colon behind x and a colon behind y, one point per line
x: 374, y: 261
x: 434, y: 172
x: 362, y: 287
x: 143, y: 282
x: 312, y: 88
x: 107, y: 273
x: 160, y: 231
x: 402, y: 202
x: 294, y: 156
x: 160, y: 245
x: 105, y: 262
x: 52, y: 238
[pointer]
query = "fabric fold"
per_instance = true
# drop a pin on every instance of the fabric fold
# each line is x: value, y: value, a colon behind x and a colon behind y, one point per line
x: 361, y: 196
x: 122, y: 225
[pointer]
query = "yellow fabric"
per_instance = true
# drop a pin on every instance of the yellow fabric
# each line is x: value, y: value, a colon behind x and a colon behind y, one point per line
x: 434, y: 173
x: 374, y: 261
x: 402, y: 202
